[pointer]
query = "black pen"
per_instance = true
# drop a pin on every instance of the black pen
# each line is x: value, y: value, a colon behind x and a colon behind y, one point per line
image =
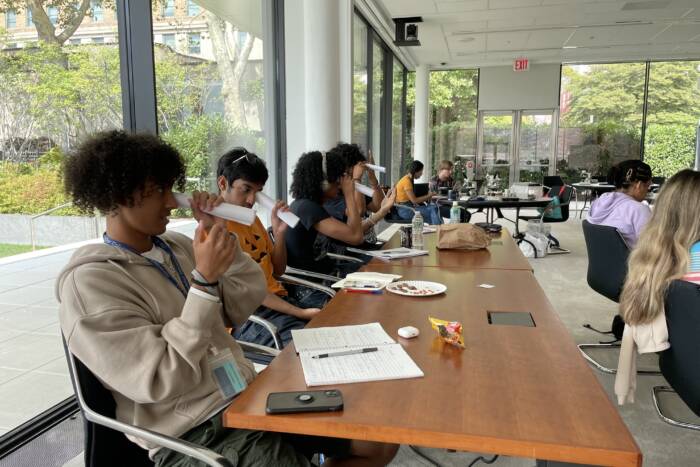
x: 346, y: 352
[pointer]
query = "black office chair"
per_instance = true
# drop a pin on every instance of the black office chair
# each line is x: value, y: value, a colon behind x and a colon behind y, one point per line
x: 105, y: 440
x: 679, y: 364
x: 564, y: 192
x: 607, y: 268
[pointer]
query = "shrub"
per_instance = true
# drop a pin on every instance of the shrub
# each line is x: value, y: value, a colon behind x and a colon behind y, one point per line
x: 28, y: 190
x: 669, y: 148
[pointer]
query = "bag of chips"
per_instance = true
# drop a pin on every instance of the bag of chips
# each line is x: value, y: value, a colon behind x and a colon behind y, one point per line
x: 449, y: 331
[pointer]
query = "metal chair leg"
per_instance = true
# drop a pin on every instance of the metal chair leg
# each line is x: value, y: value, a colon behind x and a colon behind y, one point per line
x: 654, y: 394
x: 582, y: 348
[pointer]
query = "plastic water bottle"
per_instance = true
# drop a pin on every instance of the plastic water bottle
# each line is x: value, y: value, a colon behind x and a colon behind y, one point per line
x: 454, y: 213
x: 417, y: 231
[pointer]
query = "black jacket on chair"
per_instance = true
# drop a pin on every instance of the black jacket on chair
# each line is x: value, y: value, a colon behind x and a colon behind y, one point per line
x: 679, y: 364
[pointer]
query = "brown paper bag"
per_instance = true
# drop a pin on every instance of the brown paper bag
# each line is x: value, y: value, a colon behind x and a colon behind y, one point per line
x: 462, y: 236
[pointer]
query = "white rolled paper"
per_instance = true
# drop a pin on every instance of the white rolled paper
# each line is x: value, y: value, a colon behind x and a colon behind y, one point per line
x: 226, y: 211
x: 364, y: 189
x: 268, y: 203
x: 376, y: 168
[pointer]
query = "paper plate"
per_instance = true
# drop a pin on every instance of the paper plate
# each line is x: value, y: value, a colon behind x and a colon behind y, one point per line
x: 422, y: 288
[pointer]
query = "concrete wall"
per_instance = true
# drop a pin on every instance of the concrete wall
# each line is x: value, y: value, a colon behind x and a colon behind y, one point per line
x: 501, y: 88
x: 48, y: 230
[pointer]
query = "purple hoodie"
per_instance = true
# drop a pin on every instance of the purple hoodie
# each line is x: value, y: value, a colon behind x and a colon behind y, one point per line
x: 621, y: 211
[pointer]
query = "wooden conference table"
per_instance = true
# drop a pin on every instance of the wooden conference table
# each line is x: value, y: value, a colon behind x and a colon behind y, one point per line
x: 502, y: 254
x: 517, y: 391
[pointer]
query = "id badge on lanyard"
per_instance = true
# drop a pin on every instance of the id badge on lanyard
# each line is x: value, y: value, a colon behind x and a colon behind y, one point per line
x: 225, y: 372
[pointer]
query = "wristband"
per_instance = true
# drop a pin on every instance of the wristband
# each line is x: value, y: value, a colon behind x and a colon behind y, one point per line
x: 200, y: 280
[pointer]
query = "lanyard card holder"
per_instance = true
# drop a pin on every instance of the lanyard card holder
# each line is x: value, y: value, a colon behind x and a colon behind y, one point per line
x: 225, y: 373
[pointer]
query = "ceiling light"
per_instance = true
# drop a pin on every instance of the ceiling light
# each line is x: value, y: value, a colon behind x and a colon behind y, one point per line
x: 570, y: 47
x: 467, y: 39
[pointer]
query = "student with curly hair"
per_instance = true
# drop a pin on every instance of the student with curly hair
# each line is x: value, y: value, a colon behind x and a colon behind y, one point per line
x: 378, y: 204
x: 668, y: 249
x: 240, y: 176
x: 317, y: 178
x: 144, y: 309
x: 623, y: 208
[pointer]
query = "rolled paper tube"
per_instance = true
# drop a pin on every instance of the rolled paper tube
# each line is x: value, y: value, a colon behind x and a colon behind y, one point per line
x: 226, y: 211
x: 376, y: 168
x: 364, y: 189
x: 268, y: 203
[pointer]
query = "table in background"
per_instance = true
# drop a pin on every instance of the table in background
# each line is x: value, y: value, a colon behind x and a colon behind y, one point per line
x: 495, y: 205
x: 517, y: 391
x: 503, y: 253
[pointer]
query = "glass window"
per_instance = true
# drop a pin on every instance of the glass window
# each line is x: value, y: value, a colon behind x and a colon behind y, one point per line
x: 169, y: 40
x: 10, y: 19
x: 74, y: 41
x: 28, y: 18
x: 453, y: 106
x: 51, y: 98
x: 377, y: 101
x: 204, y: 107
x: 168, y: 8
x: 535, y: 145
x: 397, y: 120
x: 673, y: 111
x: 600, y: 117
x: 359, y: 82
x: 98, y: 40
x: 192, y: 8
x: 194, y: 43
x: 97, y: 13
x: 53, y: 15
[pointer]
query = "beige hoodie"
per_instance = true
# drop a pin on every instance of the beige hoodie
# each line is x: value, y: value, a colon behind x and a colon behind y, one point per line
x: 147, y: 343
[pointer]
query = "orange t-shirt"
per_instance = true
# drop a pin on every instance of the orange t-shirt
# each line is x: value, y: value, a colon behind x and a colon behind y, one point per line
x: 256, y: 242
x: 405, y: 184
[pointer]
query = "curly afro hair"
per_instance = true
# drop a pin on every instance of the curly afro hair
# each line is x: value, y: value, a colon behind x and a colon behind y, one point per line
x: 351, y: 154
x: 308, y: 174
x: 110, y: 167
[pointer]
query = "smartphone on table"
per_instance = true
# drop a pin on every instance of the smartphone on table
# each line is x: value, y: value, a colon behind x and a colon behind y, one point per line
x: 325, y: 400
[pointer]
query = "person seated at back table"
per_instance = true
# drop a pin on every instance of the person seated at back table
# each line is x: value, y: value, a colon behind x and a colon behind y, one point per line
x: 668, y: 249
x: 317, y: 178
x: 623, y: 208
x: 443, y: 179
x: 379, y: 204
x: 240, y: 175
x: 406, y: 197
x: 145, y: 309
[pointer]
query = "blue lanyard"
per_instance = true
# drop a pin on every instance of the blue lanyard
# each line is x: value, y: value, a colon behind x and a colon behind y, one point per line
x: 164, y: 246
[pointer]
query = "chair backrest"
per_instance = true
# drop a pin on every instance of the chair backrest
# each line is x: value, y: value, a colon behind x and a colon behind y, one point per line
x: 607, y: 259
x: 552, y: 180
x: 103, y: 446
x: 420, y: 189
x: 679, y: 364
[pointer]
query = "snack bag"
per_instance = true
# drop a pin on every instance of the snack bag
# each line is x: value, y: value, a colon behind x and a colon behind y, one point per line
x: 449, y: 331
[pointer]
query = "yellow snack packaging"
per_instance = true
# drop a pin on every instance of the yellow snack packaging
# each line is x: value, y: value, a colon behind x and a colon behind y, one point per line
x: 449, y: 331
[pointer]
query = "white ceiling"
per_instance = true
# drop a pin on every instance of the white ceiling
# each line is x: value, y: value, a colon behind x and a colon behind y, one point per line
x: 471, y: 33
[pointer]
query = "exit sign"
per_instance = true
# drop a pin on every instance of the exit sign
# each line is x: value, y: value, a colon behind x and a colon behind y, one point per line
x: 521, y: 64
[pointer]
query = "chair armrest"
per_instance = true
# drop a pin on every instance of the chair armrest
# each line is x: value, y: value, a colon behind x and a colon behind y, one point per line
x: 314, y: 275
x: 304, y: 283
x: 271, y: 328
x: 195, y: 451
x: 350, y: 259
x: 257, y: 348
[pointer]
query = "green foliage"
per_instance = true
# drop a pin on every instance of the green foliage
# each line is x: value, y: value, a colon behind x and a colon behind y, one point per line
x: 9, y: 249
x: 669, y: 148
x: 53, y: 158
x: 28, y: 190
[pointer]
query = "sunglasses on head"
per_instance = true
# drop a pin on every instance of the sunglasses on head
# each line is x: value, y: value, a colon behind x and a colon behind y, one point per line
x: 250, y: 158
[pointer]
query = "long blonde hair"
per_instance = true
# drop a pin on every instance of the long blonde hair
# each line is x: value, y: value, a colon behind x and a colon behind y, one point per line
x: 662, y: 252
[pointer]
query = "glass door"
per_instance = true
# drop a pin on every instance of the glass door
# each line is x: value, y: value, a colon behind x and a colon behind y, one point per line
x: 535, y: 145
x: 495, y: 151
x: 515, y: 146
